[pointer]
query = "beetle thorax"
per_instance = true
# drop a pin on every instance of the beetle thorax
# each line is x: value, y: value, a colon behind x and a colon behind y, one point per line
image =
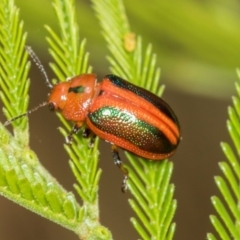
x: 73, y: 98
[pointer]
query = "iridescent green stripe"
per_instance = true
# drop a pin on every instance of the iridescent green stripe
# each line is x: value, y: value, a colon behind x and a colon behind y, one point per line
x: 126, y: 126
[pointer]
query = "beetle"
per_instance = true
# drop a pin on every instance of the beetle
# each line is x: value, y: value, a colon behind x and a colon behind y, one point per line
x: 119, y: 112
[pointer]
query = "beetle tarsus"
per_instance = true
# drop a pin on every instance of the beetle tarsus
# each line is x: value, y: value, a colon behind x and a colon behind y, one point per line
x: 69, y: 138
x: 92, y: 141
x: 118, y: 162
x: 124, y: 183
x: 87, y: 133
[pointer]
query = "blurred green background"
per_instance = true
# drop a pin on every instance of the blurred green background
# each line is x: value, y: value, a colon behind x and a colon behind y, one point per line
x: 197, y: 43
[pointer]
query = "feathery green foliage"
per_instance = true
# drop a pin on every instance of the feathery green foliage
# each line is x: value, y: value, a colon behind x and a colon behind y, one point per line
x: 149, y: 181
x: 14, y: 68
x: 70, y: 59
x: 24, y: 180
x: 228, y: 219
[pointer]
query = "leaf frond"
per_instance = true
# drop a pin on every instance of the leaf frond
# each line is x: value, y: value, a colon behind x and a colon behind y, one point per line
x: 14, y: 68
x: 71, y: 59
x: 22, y: 178
x: 24, y: 181
x: 226, y: 223
x: 149, y: 181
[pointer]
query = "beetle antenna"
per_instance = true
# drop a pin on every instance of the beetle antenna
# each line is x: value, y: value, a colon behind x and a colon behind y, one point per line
x: 39, y: 65
x: 26, y: 113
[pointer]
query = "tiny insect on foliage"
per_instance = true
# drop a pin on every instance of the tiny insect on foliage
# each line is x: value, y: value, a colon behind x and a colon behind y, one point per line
x: 117, y: 111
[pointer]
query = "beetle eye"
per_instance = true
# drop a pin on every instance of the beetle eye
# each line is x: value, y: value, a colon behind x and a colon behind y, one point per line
x: 52, y: 106
x: 78, y: 89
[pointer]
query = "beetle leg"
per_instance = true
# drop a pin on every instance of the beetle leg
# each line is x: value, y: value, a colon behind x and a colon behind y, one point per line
x: 118, y: 162
x: 87, y: 133
x: 69, y: 138
x: 92, y: 140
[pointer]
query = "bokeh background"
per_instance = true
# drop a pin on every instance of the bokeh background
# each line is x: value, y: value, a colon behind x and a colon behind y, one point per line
x: 198, y: 48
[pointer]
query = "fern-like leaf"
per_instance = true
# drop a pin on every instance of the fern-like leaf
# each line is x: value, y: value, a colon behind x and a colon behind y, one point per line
x: 228, y: 219
x: 70, y: 59
x: 14, y: 68
x: 23, y: 179
x: 149, y: 181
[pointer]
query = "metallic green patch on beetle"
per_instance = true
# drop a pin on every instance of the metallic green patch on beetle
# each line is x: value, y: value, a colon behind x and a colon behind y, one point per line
x: 125, y: 125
